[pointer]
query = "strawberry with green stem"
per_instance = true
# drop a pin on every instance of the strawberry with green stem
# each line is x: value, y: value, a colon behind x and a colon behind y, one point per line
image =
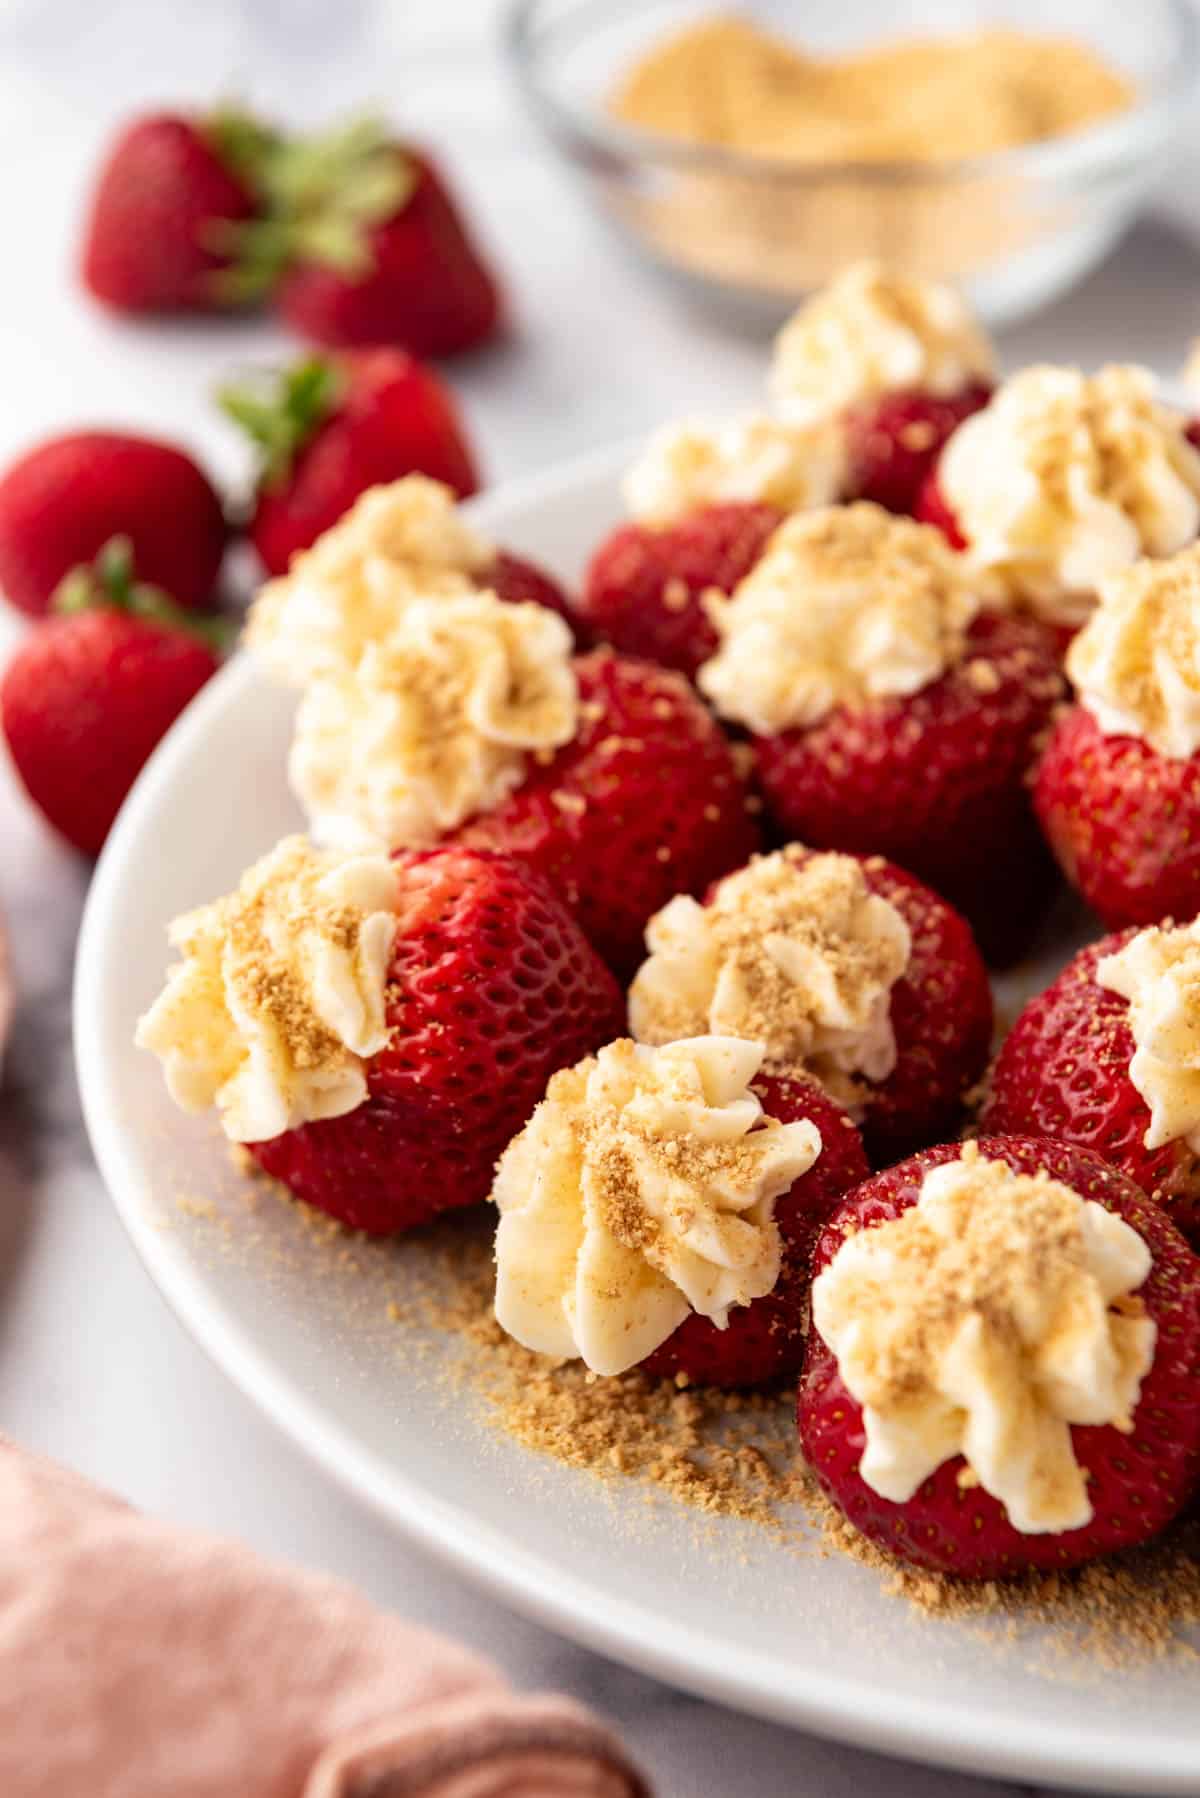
x: 327, y: 428
x: 92, y: 689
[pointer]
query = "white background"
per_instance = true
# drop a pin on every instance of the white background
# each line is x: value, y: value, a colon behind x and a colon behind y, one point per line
x: 92, y: 1368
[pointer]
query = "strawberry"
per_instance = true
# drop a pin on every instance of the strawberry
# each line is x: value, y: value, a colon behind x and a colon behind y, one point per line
x: 765, y: 1339
x: 1137, y: 1482
x: 63, y: 501
x: 170, y: 223
x: 644, y: 802
x: 893, y: 443
x: 1123, y: 820
x: 941, y: 1017
x: 1063, y: 1072
x: 645, y: 586
x: 376, y: 250
x: 89, y: 693
x: 937, y: 781
x: 492, y: 988
x: 328, y: 428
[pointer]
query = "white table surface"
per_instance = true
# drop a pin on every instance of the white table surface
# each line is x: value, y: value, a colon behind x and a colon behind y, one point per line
x: 92, y: 1368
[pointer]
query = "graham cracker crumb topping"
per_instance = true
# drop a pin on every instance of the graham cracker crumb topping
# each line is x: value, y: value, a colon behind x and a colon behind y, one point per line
x: 794, y: 952
x: 986, y: 1320
x: 1136, y: 663
x: 847, y: 605
x: 641, y: 1190
x: 279, y: 997
x: 436, y: 723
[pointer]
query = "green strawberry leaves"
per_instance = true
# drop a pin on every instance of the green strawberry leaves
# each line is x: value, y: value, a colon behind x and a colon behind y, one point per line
x: 109, y: 581
x: 280, y: 409
x: 320, y: 196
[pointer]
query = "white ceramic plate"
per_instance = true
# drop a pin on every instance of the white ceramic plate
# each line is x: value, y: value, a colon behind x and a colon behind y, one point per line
x: 723, y: 1609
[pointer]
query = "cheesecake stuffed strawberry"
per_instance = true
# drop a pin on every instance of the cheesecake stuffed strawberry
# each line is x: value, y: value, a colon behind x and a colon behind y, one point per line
x: 473, y: 722
x: 843, y: 969
x: 896, y: 362
x: 1118, y: 788
x: 1003, y: 1371
x: 375, y: 1030
x: 1108, y: 1057
x: 893, y: 710
x: 397, y: 540
x: 1064, y: 479
x: 869, y: 379
x: 659, y: 1208
x: 703, y: 502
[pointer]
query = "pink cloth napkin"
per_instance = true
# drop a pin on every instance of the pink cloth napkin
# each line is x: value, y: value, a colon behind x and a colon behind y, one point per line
x: 142, y: 1661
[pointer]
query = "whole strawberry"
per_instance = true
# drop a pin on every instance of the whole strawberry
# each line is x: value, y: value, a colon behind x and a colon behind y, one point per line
x: 1064, y: 1072
x: 63, y: 501
x: 893, y: 443
x: 167, y: 229
x: 491, y: 988
x: 377, y: 249
x: 328, y: 428
x: 645, y: 801
x: 646, y: 585
x: 90, y: 691
x: 765, y: 1340
x: 1134, y: 1473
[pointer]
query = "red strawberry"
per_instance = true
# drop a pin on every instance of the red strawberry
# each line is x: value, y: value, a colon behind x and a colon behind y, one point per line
x: 492, y: 988
x: 645, y: 586
x: 933, y: 508
x: 379, y: 252
x: 893, y: 442
x: 1063, y: 1072
x: 328, y: 428
x: 765, y: 1340
x: 1123, y: 820
x: 937, y: 781
x: 63, y: 501
x: 89, y: 693
x: 644, y: 802
x: 166, y: 230
x: 941, y: 1013
x: 1137, y: 1482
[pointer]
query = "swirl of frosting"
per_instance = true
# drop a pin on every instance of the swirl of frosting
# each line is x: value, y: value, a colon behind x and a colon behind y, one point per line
x: 846, y: 605
x: 1136, y: 662
x: 793, y: 951
x: 435, y: 723
x: 398, y: 542
x: 1065, y: 478
x: 873, y: 331
x: 277, y: 1002
x: 983, y: 1322
x: 642, y: 1190
x: 756, y: 459
x: 1158, y: 971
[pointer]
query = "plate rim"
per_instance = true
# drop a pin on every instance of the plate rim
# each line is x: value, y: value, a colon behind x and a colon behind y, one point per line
x: 638, y: 1636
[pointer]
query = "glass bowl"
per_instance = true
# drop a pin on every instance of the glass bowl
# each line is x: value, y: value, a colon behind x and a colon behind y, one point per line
x: 1014, y: 228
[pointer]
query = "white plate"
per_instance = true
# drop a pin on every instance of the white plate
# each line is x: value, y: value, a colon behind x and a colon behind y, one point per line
x: 721, y: 1609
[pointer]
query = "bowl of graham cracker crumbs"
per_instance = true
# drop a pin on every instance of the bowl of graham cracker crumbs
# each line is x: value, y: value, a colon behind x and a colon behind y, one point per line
x: 751, y: 154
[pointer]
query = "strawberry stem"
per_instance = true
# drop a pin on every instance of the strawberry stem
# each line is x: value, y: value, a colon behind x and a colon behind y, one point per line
x: 320, y: 197
x: 280, y: 409
x: 108, y: 582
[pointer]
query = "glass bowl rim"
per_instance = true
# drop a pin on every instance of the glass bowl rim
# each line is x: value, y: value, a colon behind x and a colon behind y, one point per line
x: 1133, y: 133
